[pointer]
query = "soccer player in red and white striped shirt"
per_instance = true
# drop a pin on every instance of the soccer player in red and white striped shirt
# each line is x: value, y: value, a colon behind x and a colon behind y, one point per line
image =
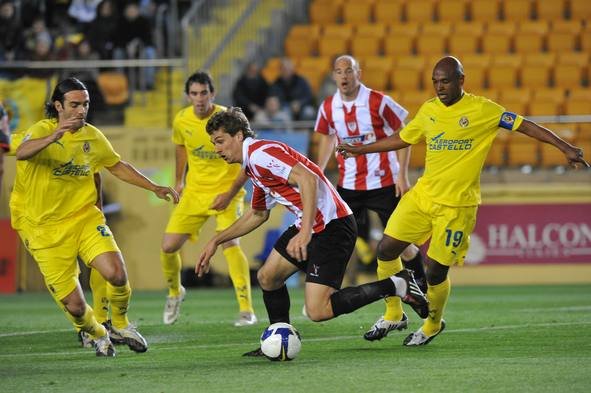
x: 359, y: 115
x: 320, y: 241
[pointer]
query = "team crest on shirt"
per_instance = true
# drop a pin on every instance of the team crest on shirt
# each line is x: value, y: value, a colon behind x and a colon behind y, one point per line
x: 464, y: 122
x: 352, y: 126
x: 86, y: 147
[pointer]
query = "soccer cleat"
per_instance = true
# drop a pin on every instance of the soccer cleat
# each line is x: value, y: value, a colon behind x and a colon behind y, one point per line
x: 254, y: 353
x: 104, y: 347
x: 420, y: 338
x: 172, y: 308
x: 85, y: 340
x: 131, y: 337
x: 382, y: 327
x: 246, y: 318
x: 115, y: 337
x: 414, y: 296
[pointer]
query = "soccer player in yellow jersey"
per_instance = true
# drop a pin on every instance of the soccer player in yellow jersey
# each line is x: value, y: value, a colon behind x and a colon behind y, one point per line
x: 459, y: 129
x: 210, y: 188
x: 59, y: 221
x: 4, y: 139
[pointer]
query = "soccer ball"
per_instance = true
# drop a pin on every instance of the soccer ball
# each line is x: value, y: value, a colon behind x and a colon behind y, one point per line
x: 281, y: 342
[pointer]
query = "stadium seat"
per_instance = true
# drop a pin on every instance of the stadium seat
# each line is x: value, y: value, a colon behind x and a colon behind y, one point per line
x: 568, y: 75
x: 381, y: 63
x: 561, y: 42
x: 420, y: 11
x: 410, y: 29
x: 535, y: 76
x: 398, y: 45
x: 357, y: 12
x: 366, y: 46
x: 503, y: 76
x: 508, y: 28
x: 441, y: 28
x: 484, y: 10
x: 491, y: 94
x: 567, y: 26
x: 272, y: 69
x: 297, y: 47
x: 304, y: 31
x: 389, y: 11
x: 497, y: 155
x: 580, y: 9
x: 460, y: 44
x: 333, y: 46
x: 476, y: 60
x: 550, y: 10
x: 475, y: 77
x: 550, y: 156
x: 475, y: 28
x: 547, y: 58
x: 515, y: 60
x: 376, y: 79
x: 114, y: 87
x: 431, y: 44
x: 405, y: 79
x: 515, y: 100
x: 528, y: 43
x: 522, y: 150
x: 580, y: 94
x: 322, y: 13
x: 586, y: 41
x: 547, y: 102
x: 377, y: 30
x: 413, y: 62
x: 452, y: 11
x: 540, y: 27
x: 494, y: 43
x: 517, y: 10
x: 344, y: 31
x: 577, y: 107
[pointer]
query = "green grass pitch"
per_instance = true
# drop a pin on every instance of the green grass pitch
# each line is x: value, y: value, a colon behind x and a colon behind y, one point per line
x: 498, y: 339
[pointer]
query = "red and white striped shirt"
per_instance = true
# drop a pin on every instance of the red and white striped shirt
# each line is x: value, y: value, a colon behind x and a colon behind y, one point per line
x: 269, y: 163
x: 372, y: 116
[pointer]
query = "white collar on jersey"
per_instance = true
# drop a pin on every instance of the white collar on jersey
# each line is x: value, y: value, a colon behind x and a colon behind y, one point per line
x: 360, y: 100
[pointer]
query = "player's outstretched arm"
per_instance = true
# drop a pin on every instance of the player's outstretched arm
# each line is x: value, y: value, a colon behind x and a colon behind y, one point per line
x: 245, y: 224
x: 126, y: 172
x: 393, y: 142
x: 31, y: 147
x: 573, y: 154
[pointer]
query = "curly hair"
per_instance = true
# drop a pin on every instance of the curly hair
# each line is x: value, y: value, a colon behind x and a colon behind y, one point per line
x: 232, y: 120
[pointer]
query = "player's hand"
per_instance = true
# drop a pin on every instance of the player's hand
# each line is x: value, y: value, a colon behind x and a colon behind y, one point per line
x: 179, y: 187
x: 402, y: 186
x: 575, y: 158
x: 298, y: 246
x: 348, y: 150
x: 71, y: 124
x: 166, y: 193
x: 202, y: 266
x: 221, y: 201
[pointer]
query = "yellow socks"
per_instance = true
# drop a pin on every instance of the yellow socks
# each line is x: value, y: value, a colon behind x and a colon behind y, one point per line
x: 240, y: 276
x: 87, y: 323
x: 100, y: 302
x: 119, y: 298
x: 171, y: 267
x: 393, y: 303
x: 437, y: 295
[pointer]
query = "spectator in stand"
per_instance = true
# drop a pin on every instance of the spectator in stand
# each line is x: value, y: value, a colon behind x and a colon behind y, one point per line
x: 103, y: 28
x: 37, y: 32
x: 43, y: 51
x: 134, y: 39
x: 83, y: 12
x: 273, y: 116
x: 10, y: 32
x: 294, y: 92
x: 251, y: 91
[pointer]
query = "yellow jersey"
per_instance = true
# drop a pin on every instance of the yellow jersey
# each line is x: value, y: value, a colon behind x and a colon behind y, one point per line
x: 58, y: 182
x: 458, y: 138
x: 207, y: 172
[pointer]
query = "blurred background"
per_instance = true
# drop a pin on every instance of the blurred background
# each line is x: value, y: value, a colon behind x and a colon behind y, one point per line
x: 531, y: 56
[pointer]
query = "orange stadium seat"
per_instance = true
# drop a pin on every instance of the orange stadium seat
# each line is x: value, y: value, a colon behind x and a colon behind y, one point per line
x: 366, y: 46
x: 398, y: 45
x: 420, y: 11
x: 460, y: 44
x: 574, y: 26
x: 551, y: 156
x: 580, y: 9
x: 546, y: 58
x: 528, y: 43
x: 547, y: 102
x: 508, y: 28
x: 304, y: 31
x: 333, y: 46
x: 412, y: 100
x: 272, y: 69
x: 337, y: 30
x: 497, y: 155
x: 377, y: 30
x: 584, y: 135
x: 568, y: 75
x: 410, y: 29
x: 533, y: 26
x: 297, y: 47
x: 357, y: 12
x: 522, y: 150
x: 496, y: 43
x: 477, y: 60
x: 471, y: 28
x: 431, y: 44
x: 515, y: 100
x: 561, y: 42
x: 517, y: 10
x: 413, y: 62
x: 475, y: 77
x: 114, y: 87
x: 535, y: 76
x: 550, y: 10
x: 577, y: 107
x: 376, y: 78
x: 322, y: 13
x: 441, y: 28
x: 405, y: 79
x: 452, y: 11
x: 580, y: 93
x: 389, y: 11
x: 515, y: 60
x: 382, y: 63
x: 491, y: 94
x: 586, y: 41
x: 484, y: 10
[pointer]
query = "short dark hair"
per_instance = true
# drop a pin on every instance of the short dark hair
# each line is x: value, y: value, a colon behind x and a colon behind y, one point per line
x: 200, y: 77
x: 63, y: 87
x: 232, y: 120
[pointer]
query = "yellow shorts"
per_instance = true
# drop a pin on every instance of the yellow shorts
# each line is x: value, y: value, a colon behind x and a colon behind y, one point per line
x: 193, y: 211
x: 417, y: 218
x: 56, y: 247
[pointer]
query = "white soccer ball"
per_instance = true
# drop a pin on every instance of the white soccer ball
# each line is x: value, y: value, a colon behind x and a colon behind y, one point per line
x: 281, y: 341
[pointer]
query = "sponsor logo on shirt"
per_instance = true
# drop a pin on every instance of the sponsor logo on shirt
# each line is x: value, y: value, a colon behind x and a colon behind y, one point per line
x: 71, y: 169
x: 438, y: 143
x: 204, y: 154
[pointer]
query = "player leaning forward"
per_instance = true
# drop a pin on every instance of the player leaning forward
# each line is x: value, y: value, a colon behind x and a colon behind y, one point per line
x: 61, y: 154
x: 320, y: 241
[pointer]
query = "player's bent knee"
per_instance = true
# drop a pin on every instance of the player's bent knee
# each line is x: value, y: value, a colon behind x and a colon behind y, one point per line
x: 390, y: 248
x: 318, y: 313
x: 267, y: 280
x: 76, y: 309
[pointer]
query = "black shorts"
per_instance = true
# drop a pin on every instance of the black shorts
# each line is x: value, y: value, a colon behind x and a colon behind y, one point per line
x: 328, y: 252
x: 383, y: 201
